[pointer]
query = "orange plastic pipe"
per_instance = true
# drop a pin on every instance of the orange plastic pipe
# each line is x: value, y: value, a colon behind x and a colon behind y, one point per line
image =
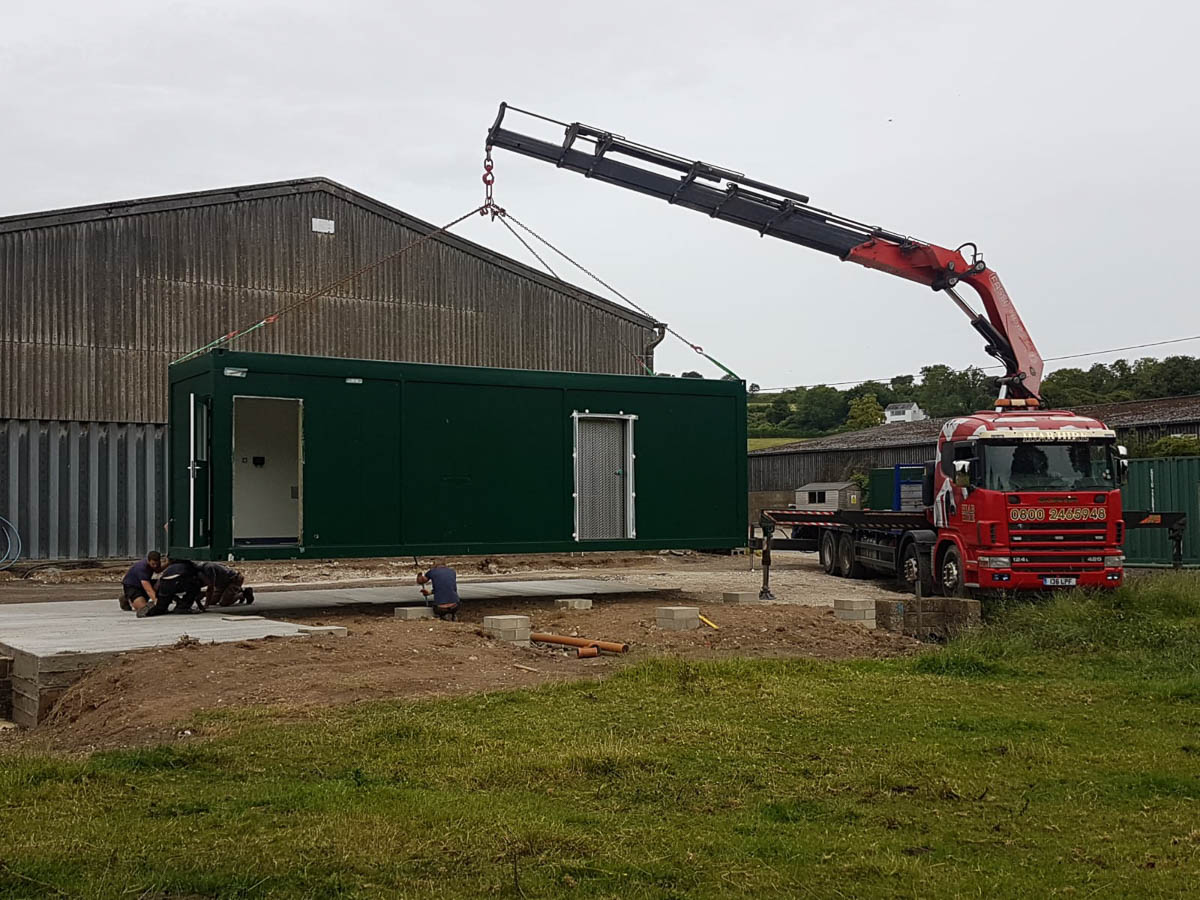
x: 607, y: 646
x: 587, y: 652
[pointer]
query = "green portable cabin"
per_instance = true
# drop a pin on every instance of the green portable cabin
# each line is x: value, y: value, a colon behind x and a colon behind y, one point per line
x: 277, y: 457
x: 1165, y: 484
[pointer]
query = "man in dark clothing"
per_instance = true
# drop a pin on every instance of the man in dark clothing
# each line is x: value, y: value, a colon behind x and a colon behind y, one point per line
x: 180, y: 583
x: 444, y: 581
x: 225, y: 585
x: 138, y: 584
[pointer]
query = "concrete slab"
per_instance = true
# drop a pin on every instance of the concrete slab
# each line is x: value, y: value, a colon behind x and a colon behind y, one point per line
x: 283, y: 601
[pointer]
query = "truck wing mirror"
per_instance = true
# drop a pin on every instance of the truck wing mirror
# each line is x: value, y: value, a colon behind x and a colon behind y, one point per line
x: 1123, y: 463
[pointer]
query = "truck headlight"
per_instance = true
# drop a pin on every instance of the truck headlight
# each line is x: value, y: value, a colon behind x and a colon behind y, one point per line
x: 1115, y: 562
x: 995, y: 562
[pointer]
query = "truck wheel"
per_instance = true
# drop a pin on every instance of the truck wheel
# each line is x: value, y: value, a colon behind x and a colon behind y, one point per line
x: 953, y: 576
x: 851, y: 568
x: 828, y: 553
x: 914, y: 569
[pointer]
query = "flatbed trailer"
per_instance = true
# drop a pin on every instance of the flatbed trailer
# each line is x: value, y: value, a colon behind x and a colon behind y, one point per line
x: 855, y: 543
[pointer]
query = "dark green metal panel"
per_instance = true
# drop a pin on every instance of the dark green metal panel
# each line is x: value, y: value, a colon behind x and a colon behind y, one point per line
x: 483, y: 461
x: 419, y: 459
x: 1163, y: 485
x: 357, y: 505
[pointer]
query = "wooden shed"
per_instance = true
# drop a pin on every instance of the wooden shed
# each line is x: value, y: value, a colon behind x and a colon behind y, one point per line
x: 829, y: 495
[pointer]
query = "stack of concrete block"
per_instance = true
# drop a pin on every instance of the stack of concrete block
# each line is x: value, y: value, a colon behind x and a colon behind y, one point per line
x: 414, y: 612
x: 928, y: 618
x: 740, y: 597
x: 678, y: 618
x: 856, y: 610
x: 889, y: 615
x: 6, y: 663
x: 512, y: 629
x: 574, y: 603
x: 961, y: 613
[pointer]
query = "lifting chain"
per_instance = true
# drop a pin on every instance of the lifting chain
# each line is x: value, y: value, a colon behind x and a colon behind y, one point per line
x: 489, y: 178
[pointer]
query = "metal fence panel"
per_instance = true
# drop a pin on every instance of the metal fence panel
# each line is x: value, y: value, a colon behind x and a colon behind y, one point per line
x: 78, y: 490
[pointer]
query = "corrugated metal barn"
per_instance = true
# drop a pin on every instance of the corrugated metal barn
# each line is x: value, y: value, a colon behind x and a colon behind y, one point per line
x: 833, y: 458
x: 96, y: 301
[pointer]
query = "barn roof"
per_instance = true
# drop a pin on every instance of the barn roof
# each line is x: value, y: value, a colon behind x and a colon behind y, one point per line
x: 318, y: 184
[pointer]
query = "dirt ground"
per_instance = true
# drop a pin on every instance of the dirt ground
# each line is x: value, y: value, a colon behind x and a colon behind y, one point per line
x: 149, y: 696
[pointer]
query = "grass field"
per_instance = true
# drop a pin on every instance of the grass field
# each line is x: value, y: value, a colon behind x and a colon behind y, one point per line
x: 1056, y: 752
x: 764, y: 443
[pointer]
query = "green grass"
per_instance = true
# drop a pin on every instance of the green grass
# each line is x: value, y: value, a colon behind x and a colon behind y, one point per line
x: 1056, y: 752
x: 763, y: 443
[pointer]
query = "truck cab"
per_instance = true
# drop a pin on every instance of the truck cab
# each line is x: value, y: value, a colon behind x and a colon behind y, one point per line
x: 1026, y: 500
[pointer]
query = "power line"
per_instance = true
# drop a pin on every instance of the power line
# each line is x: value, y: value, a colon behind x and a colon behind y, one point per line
x: 1195, y: 337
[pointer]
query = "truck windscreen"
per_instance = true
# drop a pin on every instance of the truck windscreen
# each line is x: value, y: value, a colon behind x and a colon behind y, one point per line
x: 1048, y: 466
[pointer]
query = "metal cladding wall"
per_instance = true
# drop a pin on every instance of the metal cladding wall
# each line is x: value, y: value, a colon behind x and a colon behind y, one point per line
x: 788, y: 471
x: 96, y: 302
x: 84, y: 489
x: 1163, y: 485
x: 402, y: 459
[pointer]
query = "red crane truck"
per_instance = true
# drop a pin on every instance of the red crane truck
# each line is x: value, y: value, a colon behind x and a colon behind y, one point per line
x: 1019, y: 498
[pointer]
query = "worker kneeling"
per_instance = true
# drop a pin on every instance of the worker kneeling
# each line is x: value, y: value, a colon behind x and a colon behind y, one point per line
x: 180, y: 583
x: 225, y: 586
x: 444, y: 581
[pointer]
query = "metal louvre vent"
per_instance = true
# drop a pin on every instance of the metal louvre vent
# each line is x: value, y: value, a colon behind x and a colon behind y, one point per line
x: 603, y: 477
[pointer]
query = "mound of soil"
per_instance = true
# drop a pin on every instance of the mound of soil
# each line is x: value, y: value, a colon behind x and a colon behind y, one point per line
x: 152, y: 695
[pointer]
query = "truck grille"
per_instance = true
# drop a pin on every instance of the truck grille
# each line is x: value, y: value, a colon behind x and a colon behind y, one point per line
x: 1057, y: 548
x: 1057, y: 534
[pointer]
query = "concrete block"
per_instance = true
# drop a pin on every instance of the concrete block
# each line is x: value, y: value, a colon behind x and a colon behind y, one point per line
x: 677, y: 612
x: 414, y: 612
x: 510, y: 634
x: 854, y: 615
x: 574, y: 603
x: 330, y: 630
x: 856, y: 603
x: 679, y: 624
x: 740, y: 597
x: 511, y: 629
x: 889, y: 615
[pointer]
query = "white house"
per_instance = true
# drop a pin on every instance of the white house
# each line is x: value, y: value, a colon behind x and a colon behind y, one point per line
x: 903, y: 412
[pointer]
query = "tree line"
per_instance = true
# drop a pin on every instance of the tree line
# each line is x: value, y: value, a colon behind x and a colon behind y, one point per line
x: 943, y: 391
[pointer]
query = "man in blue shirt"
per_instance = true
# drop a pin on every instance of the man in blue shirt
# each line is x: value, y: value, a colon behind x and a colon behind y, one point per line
x: 138, y: 583
x: 445, y: 591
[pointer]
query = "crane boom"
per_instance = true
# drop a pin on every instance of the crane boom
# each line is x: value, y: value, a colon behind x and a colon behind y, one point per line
x: 787, y: 215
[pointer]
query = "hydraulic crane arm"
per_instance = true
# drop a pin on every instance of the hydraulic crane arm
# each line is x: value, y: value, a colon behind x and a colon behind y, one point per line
x: 731, y: 196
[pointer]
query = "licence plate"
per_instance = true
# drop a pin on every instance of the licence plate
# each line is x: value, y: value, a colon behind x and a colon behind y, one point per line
x: 1058, y: 582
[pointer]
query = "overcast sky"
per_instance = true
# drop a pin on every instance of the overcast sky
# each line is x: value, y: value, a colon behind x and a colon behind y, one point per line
x: 1061, y: 137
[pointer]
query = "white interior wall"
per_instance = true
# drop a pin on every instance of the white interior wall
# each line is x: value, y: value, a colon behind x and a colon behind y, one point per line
x: 263, y: 502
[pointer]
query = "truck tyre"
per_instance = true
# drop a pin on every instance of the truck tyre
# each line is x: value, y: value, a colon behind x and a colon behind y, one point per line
x: 851, y: 568
x: 914, y: 568
x: 953, y: 576
x: 828, y: 553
